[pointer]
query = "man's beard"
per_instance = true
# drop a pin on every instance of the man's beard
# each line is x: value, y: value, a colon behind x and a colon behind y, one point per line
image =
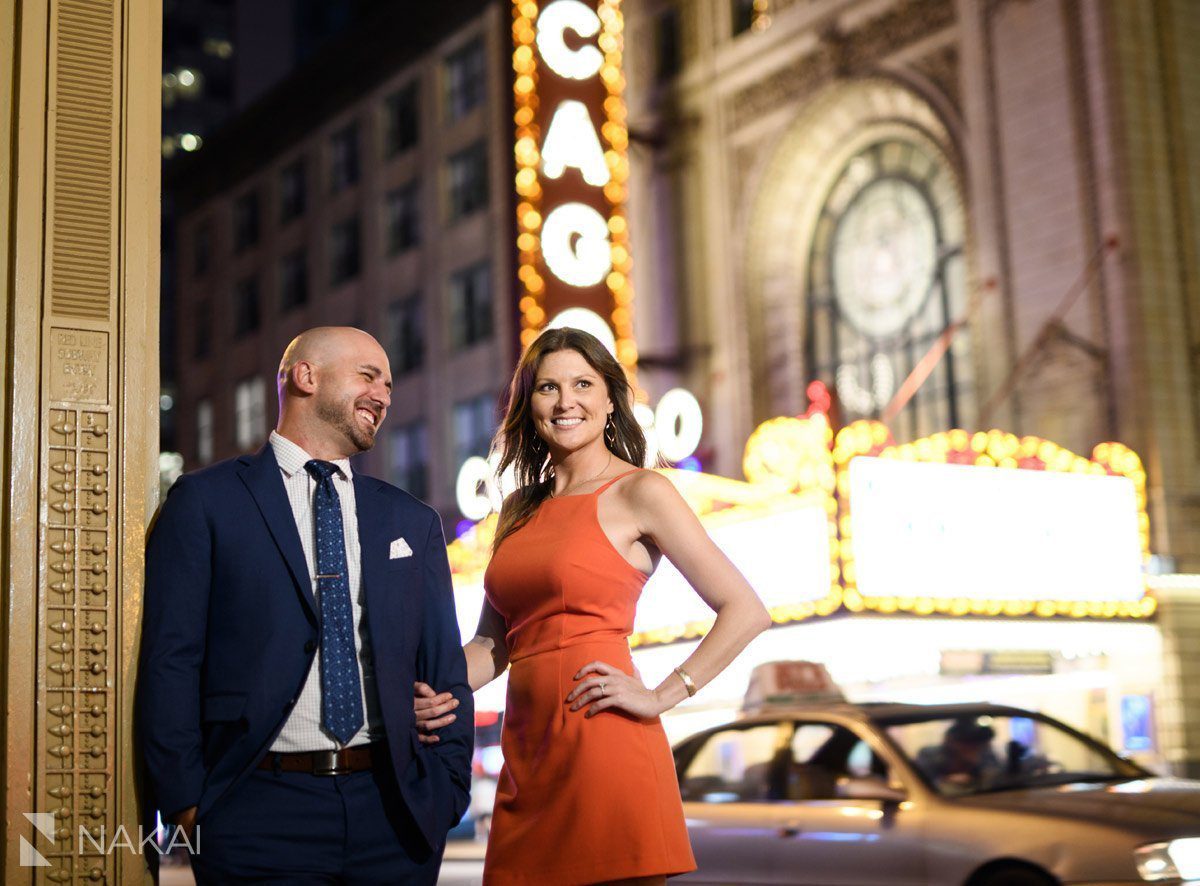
x: 341, y: 416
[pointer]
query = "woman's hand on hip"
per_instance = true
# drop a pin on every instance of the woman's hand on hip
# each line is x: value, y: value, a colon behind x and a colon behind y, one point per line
x: 609, y: 687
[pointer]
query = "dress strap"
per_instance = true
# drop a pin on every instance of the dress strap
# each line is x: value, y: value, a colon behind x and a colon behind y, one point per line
x: 615, y: 479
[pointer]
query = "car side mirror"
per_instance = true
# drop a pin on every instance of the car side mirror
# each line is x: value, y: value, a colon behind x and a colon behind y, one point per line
x: 868, y: 788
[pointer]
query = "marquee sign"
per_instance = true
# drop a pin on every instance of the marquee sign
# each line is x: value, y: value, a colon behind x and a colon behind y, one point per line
x: 572, y: 168
x: 989, y: 523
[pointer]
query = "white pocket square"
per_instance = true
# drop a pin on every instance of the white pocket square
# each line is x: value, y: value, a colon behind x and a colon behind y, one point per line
x: 399, y: 549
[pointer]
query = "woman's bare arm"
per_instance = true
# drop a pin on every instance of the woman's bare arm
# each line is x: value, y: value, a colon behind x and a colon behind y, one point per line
x: 666, y: 519
x: 487, y: 659
x: 487, y: 651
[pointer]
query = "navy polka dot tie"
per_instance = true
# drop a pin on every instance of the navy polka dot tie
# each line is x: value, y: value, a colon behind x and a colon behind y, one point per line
x: 341, y: 692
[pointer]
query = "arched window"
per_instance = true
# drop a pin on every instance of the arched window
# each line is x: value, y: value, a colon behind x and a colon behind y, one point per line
x: 885, y: 278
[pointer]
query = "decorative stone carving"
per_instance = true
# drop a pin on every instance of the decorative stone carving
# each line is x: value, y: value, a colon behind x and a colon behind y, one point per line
x: 841, y: 55
x: 77, y: 692
x: 941, y: 69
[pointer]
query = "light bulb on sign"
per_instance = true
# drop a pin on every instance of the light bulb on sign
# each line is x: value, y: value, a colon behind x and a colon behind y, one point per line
x: 571, y: 140
x: 590, y: 260
x: 552, y: 22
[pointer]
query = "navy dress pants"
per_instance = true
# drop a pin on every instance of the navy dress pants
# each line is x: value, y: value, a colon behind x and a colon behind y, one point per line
x: 296, y: 828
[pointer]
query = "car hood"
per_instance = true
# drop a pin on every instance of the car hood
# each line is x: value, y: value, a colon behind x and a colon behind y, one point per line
x: 1164, y: 807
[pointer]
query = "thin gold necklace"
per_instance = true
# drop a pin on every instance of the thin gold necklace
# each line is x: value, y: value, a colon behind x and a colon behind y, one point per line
x: 584, y: 482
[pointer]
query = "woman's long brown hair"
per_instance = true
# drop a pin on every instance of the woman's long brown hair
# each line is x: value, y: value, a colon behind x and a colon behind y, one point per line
x: 518, y: 440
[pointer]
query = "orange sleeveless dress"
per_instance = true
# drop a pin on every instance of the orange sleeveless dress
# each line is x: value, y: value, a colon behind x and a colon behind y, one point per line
x: 579, y: 800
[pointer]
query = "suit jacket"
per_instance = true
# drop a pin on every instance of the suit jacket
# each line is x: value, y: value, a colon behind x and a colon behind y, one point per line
x: 230, y: 630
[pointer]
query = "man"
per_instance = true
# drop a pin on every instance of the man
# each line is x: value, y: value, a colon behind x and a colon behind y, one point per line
x: 964, y: 761
x: 291, y: 605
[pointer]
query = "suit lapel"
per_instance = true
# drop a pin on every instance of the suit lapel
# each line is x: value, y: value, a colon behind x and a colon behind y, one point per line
x: 262, y: 478
x: 370, y: 509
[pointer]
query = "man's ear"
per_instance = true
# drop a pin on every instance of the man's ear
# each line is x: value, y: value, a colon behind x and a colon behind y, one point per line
x: 304, y: 377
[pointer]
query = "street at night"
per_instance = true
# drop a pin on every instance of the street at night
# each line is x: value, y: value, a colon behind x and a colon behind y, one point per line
x: 716, y: 441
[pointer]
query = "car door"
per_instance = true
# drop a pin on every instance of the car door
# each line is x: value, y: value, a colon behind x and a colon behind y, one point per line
x: 733, y: 804
x: 849, y: 823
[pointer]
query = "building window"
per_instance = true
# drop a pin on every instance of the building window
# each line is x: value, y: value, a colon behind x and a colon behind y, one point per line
x: 202, y: 330
x: 409, y: 459
x: 666, y: 44
x: 344, y: 252
x: 400, y: 120
x: 343, y: 158
x: 743, y: 15
x: 467, y: 180
x: 474, y: 424
x: 204, y: 431
x: 886, y: 276
x: 202, y: 249
x: 471, y: 306
x: 293, y: 280
x: 406, y: 334
x: 464, y: 80
x: 250, y: 413
x: 292, y: 192
x: 245, y: 221
x: 403, y: 211
x: 246, y: 314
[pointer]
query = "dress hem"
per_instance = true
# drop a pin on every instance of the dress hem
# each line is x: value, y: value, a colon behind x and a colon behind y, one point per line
x: 589, y: 874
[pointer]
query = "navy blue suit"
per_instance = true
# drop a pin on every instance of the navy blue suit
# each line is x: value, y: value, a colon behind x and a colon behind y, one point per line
x: 230, y: 630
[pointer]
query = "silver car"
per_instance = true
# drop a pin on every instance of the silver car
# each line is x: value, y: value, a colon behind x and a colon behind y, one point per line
x: 960, y: 795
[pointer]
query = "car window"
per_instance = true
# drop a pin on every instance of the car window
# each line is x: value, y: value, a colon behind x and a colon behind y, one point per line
x: 989, y: 752
x: 862, y: 762
x: 737, y: 765
x: 808, y: 739
x: 825, y: 757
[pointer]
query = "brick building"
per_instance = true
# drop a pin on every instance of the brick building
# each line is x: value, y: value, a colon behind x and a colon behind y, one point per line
x: 370, y: 188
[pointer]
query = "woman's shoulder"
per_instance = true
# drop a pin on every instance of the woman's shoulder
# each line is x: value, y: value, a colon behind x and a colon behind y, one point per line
x: 637, y: 484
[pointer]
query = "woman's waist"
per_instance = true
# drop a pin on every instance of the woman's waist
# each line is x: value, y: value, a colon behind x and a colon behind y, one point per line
x: 616, y: 641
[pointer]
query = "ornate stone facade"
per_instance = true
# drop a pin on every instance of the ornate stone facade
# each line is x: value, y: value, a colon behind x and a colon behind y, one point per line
x: 1070, y: 134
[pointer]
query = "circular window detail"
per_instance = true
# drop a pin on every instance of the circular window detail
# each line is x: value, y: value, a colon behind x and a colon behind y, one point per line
x: 885, y: 279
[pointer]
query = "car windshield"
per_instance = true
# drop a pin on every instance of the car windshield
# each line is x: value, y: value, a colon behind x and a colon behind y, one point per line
x: 982, y: 753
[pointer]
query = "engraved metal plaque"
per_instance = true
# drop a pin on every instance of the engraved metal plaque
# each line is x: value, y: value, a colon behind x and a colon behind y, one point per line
x: 78, y: 365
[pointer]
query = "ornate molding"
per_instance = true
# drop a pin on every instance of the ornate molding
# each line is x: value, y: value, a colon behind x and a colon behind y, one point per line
x: 841, y: 54
x: 78, y: 643
x: 941, y: 69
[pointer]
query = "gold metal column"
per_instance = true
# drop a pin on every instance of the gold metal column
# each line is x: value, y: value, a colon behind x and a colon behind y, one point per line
x: 79, y: 161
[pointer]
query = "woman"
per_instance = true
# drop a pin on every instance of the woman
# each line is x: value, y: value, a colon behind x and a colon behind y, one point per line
x: 588, y: 792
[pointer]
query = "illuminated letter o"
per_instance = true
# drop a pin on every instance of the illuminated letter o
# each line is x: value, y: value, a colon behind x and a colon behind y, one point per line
x: 588, y: 321
x: 678, y: 406
x: 588, y: 260
x: 475, y: 470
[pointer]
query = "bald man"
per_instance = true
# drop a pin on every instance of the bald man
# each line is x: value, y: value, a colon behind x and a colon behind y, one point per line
x: 291, y: 604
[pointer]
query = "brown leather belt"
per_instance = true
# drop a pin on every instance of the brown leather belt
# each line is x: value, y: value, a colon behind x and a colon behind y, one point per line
x: 356, y: 759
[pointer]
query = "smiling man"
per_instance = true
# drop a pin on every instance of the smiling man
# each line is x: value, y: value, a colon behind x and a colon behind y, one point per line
x: 290, y: 606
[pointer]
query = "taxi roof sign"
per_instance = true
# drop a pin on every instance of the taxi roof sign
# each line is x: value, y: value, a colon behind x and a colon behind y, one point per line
x: 786, y: 683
